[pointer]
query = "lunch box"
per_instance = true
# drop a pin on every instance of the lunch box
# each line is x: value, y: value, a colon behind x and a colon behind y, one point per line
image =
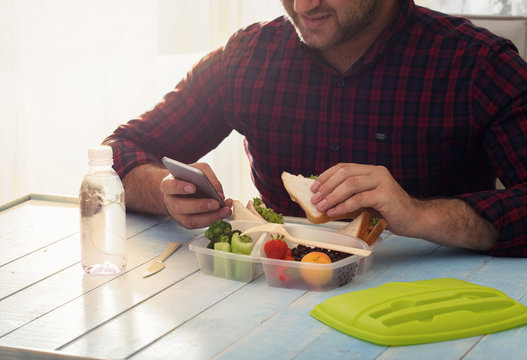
x: 286, y: 273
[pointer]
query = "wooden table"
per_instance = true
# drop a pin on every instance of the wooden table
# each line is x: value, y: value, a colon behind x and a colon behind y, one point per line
x: 50, y: 309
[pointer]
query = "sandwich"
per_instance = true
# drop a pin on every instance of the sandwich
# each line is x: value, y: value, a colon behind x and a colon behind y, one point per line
x: 364, y: 227
x: 358, y: 227
x: 255, y: 210
x: 240, y: 212
x: 252, y: 209
x: 299, y: 189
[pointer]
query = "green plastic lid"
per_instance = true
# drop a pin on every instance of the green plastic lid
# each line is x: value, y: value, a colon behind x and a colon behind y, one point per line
x: 421, y: 312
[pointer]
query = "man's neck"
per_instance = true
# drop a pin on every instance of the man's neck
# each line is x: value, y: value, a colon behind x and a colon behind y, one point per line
x: 343, y: 56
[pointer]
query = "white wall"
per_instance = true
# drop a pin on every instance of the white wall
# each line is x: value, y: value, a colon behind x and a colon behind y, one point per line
x: 478, y: 7
x: 74, y: 63
x: 72, y: 70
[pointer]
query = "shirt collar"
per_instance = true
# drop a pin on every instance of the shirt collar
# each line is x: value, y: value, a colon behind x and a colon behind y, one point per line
x: 388, y: 37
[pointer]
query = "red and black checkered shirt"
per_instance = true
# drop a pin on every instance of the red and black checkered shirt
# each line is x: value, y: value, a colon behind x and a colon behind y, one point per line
x: 439, y: 102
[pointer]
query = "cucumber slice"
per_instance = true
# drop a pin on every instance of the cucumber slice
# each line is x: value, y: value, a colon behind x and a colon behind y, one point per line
x: 241, y: 244
x: 243, y: 270
x: 222, y: 246
x: 222, y: 266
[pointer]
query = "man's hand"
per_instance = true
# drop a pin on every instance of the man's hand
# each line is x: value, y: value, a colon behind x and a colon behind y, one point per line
x: 347, y: 187
x: 191, y: 212
x: 150, y: 188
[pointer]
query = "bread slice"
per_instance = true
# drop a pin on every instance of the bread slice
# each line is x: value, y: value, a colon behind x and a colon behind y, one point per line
x: 358, y: 227
x: 299, y: 189
x: 252, y: 209
x: 240, y: 212
x: 374, y: 233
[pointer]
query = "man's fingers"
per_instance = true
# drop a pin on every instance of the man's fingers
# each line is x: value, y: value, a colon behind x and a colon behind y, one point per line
x: 330, y: 179
x: 350, y: 188
x: 196, y: 221
x: 354, y: 186
x: 171, y: 186
x: 194, y: 213
x: 366, y: 199
x: 181, y: 204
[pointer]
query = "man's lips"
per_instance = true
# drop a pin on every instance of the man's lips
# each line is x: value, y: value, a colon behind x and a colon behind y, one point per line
x: 315, y: 21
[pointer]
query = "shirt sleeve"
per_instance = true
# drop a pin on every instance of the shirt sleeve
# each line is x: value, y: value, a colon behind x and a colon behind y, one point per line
x: 187, y: 124
x: 499, y: 96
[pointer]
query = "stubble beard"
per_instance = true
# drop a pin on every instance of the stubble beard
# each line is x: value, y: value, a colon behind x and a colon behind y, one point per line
x: 346, y: 26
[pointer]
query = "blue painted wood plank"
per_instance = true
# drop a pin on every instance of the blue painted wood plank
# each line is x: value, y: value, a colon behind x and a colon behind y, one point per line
x: 71, y: 303
x: 216, y: 328
x: 147, y: 321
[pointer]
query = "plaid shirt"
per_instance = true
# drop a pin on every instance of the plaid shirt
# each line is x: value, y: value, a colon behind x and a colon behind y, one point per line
x: 439, y: 102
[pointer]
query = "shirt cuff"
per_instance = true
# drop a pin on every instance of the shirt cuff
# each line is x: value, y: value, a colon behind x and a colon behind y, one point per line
x: 506, y: 210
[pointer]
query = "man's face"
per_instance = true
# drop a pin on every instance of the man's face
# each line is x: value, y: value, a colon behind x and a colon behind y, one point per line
x: 323, y: 24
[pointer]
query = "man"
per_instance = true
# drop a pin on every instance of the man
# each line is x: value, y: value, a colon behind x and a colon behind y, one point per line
x: 401, y: 110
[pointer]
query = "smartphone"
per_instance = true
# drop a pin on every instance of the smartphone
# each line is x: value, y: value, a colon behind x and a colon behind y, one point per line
x: 204, y: 188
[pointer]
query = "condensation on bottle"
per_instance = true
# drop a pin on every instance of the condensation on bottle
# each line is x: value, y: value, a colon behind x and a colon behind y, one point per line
x: 102, y: 216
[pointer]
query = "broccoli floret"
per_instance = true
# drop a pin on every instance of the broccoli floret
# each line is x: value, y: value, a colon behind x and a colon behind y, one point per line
x: 267, y: 213
x: 218, y: 231
x: 224, y: 238
x: 314, y: 177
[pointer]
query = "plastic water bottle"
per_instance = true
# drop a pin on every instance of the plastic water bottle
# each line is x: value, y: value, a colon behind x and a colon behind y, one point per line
x: 102, y: 216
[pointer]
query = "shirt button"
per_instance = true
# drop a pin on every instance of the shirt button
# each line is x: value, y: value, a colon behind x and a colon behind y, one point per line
x: 380, y: 136
x: 340, y: 82
x: 335, y: 147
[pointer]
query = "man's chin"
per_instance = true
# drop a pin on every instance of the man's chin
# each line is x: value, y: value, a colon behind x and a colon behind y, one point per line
x: 309, y: 39
x: 316, y: 43
x: 319, y: 39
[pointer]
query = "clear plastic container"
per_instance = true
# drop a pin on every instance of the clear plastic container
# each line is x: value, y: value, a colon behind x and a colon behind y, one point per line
x: 313, y: 276
x: 102, y: 216
x: 226, y: 265
x: 286, y: 273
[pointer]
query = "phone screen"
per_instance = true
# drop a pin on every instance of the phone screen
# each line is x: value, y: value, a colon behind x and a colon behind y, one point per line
x: 204, y: 188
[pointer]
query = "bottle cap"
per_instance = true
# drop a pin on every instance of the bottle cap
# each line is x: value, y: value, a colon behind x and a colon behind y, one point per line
x: 100, y: 156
